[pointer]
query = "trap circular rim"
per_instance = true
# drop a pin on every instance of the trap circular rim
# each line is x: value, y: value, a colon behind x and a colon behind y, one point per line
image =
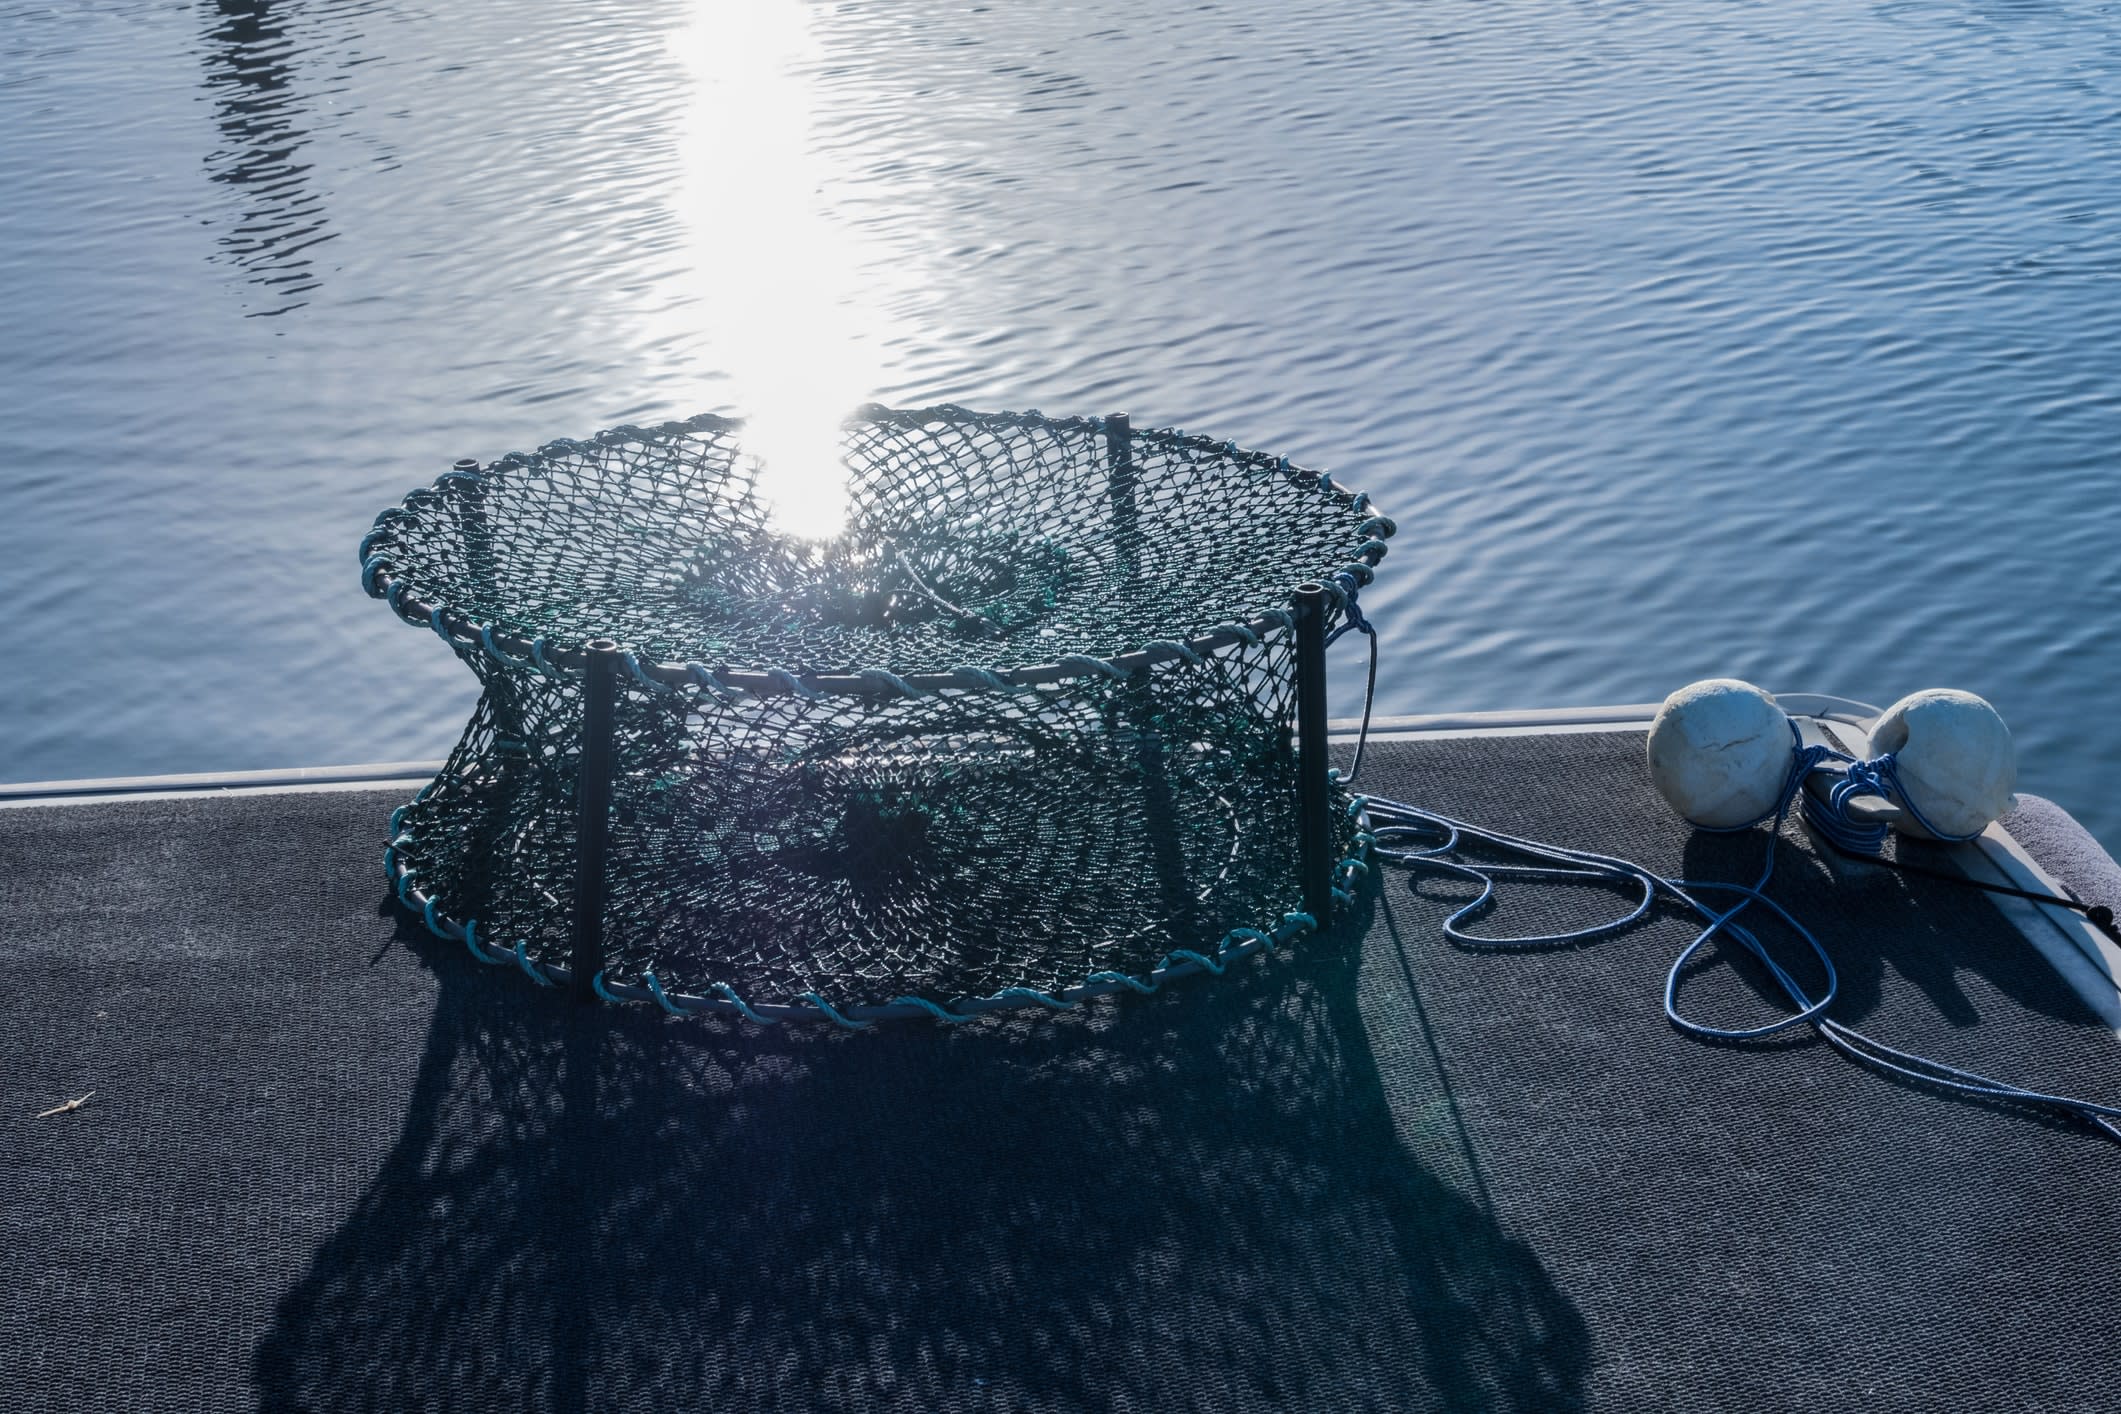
x: 465, y: 633
x: 403, y: 880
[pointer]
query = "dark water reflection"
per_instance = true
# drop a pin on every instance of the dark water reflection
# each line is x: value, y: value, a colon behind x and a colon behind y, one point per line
x: 1683, y: 339
x: 249, y: 61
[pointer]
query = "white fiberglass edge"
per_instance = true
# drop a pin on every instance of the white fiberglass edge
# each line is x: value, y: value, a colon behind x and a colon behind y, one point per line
x: 1629, y: 716
x: 1551, y: 721
x: 411, y: 774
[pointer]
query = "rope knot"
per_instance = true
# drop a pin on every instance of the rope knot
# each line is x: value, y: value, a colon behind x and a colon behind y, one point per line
x: 1351, y: 615
x: 1832, y: 816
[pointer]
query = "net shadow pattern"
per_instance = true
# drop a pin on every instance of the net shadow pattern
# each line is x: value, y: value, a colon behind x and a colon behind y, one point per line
x: 1078, y: 819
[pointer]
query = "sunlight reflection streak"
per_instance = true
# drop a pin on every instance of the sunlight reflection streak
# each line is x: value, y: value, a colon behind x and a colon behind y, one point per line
x: 775, y: 278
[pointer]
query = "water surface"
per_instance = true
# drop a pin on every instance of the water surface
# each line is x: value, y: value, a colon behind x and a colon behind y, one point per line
x: 1683, y: 339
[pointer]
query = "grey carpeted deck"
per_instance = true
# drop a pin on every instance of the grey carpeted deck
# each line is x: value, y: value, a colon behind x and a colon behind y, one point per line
x: 331, y: 1164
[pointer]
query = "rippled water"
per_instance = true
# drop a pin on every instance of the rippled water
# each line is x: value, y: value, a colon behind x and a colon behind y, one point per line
x: 1777, y: 340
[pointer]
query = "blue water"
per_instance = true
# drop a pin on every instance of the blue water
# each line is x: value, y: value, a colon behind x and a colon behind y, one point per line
x: 1777, y: 340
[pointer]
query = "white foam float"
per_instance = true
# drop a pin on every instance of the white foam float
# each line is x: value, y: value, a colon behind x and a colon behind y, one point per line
x: 1720, y: 752
x: 1956, y: 763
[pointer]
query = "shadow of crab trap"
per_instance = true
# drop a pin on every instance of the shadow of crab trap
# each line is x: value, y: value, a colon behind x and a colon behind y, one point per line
x: 1045, y: 722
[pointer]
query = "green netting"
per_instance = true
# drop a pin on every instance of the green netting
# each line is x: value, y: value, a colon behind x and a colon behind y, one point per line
x: 1023, y: 731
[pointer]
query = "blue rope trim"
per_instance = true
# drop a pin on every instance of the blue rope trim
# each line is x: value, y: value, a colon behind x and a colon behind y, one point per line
x: 942, y: 1014
x: 1203, y: 959
x: 1145, y: 986
x: 471, y: 928
x: 662, y: 999
x: 793, y: 684
x: 729, y: 994
x: 645, y: 679
x: 1237, y: 943
x: 985, y: 678
x: 1175, y: 648
x: 438, y: 925
x: 1085, y: 665
x: 882, y: 677
x: 722, y: 693
x: 1033, y: 994
x: 493, y: 650
x: 536, y: 973
x: 833, y: 1013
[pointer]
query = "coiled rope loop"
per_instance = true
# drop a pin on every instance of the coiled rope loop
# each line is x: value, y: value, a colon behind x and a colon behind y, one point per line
x: 1415, y: 838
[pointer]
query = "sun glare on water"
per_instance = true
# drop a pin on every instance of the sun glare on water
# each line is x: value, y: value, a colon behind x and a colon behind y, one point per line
x: 776, y: 278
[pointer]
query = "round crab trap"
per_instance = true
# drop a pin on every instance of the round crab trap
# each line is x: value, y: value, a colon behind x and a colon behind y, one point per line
x: 1045, y: 722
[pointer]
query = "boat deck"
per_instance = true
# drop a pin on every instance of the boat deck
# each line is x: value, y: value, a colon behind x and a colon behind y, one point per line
x: 331, y: 1163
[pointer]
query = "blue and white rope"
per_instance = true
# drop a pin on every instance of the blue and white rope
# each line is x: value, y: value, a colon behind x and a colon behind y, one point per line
x: 1423, y: 839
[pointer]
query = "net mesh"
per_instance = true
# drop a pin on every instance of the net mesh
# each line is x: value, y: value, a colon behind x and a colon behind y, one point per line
x: 1103, y: 774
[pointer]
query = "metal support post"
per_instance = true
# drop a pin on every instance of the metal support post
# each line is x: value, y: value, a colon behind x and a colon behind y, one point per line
x: 1119, y: 466
x: 478, y: 535
x: 600, y: 690
x: 1313, y: 791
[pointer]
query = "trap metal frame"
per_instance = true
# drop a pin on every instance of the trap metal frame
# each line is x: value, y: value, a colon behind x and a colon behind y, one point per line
x: 518, y: 565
